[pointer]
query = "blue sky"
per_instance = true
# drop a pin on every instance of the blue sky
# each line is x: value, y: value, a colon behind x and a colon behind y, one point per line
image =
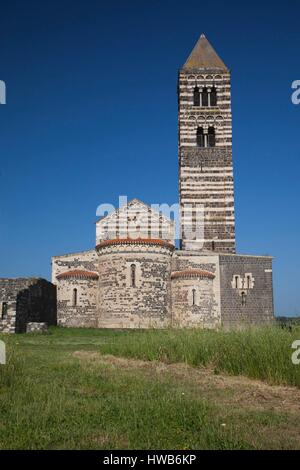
x: 91, y: 114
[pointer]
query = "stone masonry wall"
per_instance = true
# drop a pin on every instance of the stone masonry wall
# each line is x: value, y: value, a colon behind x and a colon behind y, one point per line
x: 9, y: 289
x: 135, y: 220
x: 87, y: 260
x: 208, y: 311
x: 240, y: 292
x: 246, y: 290
x: 202, y: 313
x: 145, y: 305
x: 84, y: 313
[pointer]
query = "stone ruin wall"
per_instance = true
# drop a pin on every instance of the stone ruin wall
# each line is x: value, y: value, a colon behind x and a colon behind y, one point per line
x: 27, y: 300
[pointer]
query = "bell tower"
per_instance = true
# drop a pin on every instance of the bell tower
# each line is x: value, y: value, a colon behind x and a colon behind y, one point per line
x: 205, y: 152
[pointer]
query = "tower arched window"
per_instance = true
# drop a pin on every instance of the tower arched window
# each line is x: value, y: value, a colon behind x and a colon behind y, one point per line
x: 200, y: 137
x: 213, y: 96
x: 133, y: 275
x: 74, y: 297
x: 211, y: 141
x: 205, y: 97
x: 196, y: 96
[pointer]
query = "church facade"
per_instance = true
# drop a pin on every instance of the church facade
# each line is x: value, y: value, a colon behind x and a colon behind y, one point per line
x: 135, y: 277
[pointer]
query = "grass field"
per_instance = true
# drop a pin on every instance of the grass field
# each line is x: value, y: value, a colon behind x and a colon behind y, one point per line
x: 103, y: 389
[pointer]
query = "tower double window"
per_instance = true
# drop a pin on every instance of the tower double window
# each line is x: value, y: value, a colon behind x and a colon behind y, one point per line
x: 206, y: 139
x: 206, y: 97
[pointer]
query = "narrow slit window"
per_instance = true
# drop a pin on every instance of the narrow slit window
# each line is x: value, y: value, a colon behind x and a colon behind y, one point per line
x: 133, y: 275
x: 194, y: 296
x: 213, y: 246
x: 75, y: 298
x: 243, y: 298
x: 248, y: 282
x: 236, y: 282
x: 4, y: 310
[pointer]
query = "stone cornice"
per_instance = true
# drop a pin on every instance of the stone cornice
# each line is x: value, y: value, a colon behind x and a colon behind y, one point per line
x: 192, y: 273
x: 78, y: 274
x: 136, y: 241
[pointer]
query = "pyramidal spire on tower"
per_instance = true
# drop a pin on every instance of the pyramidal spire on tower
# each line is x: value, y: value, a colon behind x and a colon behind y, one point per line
x: 203, y: 56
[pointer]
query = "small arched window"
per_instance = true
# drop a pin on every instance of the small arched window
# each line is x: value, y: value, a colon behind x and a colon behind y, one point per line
x: 243, y: 298
x: 213, y: 96
x: 133, y: 275
x: 205, y: 97
x: 196, y: 96
x: 74, y: 297
x: 211, y: 137
x: 200, y: 137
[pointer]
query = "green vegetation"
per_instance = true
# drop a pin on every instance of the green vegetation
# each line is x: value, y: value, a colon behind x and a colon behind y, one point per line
x: 259, y: 353
x: 288, y: 321
x: 62, y: 390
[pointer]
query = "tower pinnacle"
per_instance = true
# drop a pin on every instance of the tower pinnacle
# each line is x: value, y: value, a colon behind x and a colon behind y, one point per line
x: 203, y: 56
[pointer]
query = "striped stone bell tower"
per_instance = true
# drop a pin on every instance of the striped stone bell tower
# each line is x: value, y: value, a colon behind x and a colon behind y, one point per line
x: 205, y: 152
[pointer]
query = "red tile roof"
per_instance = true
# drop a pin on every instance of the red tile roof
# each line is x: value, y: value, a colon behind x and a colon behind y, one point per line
x: 188, y: 273
x: 135, y: 241
x: 78, y: 273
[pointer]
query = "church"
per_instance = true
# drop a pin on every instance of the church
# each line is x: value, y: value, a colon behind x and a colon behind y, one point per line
x: 135, y: 276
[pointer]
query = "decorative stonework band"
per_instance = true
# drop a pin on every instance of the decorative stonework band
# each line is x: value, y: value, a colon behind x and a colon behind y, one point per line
x: 192, y: 273
x: 135, y: 241
x: 78, y: 274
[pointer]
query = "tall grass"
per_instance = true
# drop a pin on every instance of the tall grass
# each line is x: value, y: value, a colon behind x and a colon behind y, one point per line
x: 11, y: 371
x: 51, y: 398
x: 260, y: 353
